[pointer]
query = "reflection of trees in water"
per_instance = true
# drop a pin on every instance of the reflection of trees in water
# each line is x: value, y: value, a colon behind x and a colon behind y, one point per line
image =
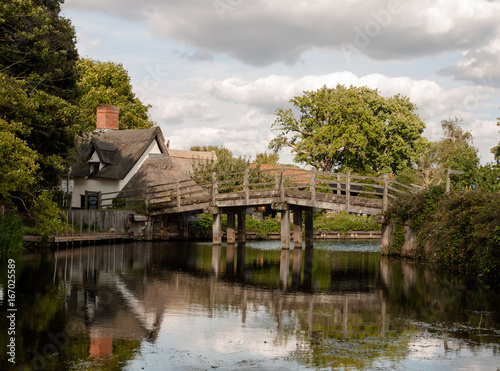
x: 422, y: 293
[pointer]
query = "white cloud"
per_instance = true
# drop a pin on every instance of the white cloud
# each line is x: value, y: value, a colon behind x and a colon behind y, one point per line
x: 87, y: 43
x: 479, y: 65
x: 241, y: 141
x: 265, y: 31
x: 275, y: 91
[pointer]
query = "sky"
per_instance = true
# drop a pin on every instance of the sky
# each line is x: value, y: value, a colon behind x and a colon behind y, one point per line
x: 215, y: 71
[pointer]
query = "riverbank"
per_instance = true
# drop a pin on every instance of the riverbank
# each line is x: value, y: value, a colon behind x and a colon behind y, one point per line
x: 458, y: 231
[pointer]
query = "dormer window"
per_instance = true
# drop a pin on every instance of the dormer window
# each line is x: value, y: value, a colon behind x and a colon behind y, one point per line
x: 94, y: 168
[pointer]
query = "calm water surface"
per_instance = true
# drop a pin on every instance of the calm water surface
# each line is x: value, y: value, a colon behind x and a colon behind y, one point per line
x: 179, y: 306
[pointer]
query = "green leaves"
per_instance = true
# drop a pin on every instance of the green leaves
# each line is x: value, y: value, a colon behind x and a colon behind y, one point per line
x: 351, y: 128
x: 109, y: 83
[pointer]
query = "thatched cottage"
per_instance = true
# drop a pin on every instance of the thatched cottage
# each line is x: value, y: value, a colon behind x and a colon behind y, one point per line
x: 112, y: 161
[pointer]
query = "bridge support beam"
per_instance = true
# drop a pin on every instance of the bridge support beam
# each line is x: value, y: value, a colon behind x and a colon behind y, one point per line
x: 217, y: 229
x: 285, y: 229
x: 242, y: 226
x: 309, y: 227
x: 231, y: 232
x: 297, y: 228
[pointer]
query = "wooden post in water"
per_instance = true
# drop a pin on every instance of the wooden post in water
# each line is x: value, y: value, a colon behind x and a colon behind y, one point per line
x: 217, y: 229
x: 297, y: 228
x: 231, y: 233
x: 242, y: 226
x: 309, y: 227
x: 285, y: 229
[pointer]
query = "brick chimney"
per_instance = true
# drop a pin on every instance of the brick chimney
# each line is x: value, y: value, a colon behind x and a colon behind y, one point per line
x: 107, y: 117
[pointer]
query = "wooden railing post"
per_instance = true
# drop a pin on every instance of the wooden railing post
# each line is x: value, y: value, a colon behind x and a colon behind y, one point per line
x: 178, y: 196
x: 282, y: 183
x: 339, y: 185
x: 313, y: 186
x: 246, y: 185
x: 347, y: 190
x: 214, y: 187
x: 385, y: 198
x: 277, y: 183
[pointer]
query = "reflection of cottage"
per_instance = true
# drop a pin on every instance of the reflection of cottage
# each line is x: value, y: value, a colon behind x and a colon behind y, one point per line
x: 113, y: 160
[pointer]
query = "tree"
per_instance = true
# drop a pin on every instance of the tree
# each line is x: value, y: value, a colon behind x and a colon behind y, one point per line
x: 268, y: 159
x: 454, y: 151
x: 18, y: 169
x: 351, y: 128
x: 109, y: 83
x: 226, y: 162
x: 38, y: 46
x: 37, y: 90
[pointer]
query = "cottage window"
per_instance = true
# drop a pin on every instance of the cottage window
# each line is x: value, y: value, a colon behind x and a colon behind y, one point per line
x: 94, y: 168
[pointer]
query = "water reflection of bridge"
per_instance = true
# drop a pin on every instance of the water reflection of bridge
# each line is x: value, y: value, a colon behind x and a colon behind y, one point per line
x: 286, y: 190
x: 120, y: 291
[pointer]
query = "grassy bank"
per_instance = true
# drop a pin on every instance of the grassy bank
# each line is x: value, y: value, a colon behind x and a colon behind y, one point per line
x: 342, y: 222
x: 458, y: 231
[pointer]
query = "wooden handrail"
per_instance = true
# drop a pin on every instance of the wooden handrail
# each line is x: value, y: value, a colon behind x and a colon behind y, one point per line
x: 277, y: 183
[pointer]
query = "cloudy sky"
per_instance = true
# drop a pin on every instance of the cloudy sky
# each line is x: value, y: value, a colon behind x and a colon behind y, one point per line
x: 216, y: 70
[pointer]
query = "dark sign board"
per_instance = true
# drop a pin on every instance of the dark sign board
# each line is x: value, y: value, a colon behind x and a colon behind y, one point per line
x: 92, y: 201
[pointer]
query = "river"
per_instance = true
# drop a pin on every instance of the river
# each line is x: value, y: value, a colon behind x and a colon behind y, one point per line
x: 194, y: 306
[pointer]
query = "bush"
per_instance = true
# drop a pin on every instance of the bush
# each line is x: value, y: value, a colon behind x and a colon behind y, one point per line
x: 49, y: 217
x: 344, y: 222
x: 462, y: 229
x: 11, y: 234
x: 468, y: 234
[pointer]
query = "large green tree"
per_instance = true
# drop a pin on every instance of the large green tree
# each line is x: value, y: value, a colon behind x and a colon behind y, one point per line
x: 351, y: 128
x: 38, y: 46
x: 37, y: 90
x: 109, y: 83
x: 454, y: 151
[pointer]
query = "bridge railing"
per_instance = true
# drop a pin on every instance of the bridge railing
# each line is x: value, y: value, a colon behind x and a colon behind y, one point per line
x: 254, y: 184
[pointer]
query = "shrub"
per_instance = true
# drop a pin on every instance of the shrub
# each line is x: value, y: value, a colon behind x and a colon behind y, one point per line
x: 11, y: 234
x: 462, y: 229
x: 49, y: 217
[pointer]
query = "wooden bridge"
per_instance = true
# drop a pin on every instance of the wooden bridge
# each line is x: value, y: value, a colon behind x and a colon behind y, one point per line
x: 285, y: 190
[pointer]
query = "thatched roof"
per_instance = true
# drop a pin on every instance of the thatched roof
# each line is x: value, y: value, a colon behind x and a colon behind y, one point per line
x: 185, y: 160
x: 158, y: 170
x: 119, y: 150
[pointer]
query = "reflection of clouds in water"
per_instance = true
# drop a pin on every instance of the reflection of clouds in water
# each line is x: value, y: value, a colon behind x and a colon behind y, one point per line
x: 225, y: 333
x: 337, y: 245
x: 447, y: 354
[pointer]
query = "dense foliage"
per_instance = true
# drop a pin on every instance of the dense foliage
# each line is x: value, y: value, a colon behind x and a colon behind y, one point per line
x: 459, y: 231
x: 109, y: 83
x: 351, y: 128
x: 48, y: 96
x: 37, y: 92
x: 11, y: 234
x: 226, y: 162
